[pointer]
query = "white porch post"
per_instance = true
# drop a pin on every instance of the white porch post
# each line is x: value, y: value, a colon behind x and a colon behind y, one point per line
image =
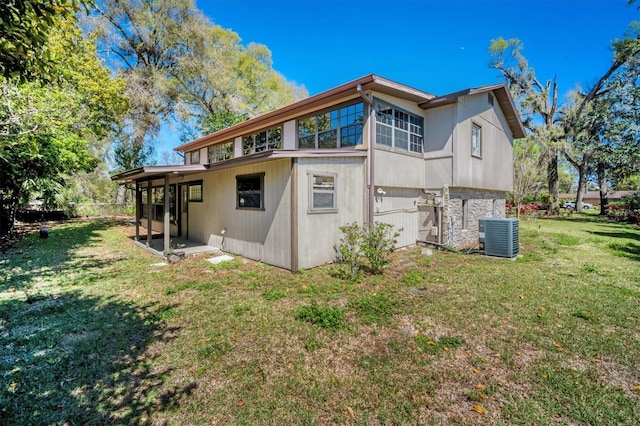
x: 167, y: 225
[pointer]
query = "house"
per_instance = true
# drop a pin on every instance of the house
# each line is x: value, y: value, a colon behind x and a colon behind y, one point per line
x: 593, y: 197
x: 276, y: 188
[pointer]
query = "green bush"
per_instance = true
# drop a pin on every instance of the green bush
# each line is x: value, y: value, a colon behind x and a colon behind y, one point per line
x: 626, y: 210
x: 330, y: 317
x: 373, y: 242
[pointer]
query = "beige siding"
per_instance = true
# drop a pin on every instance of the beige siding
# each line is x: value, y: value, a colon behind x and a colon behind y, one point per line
x: 318, y: 233
x: 439, y: 124
x: 399, y: 207
x: 398, y: 169
x: 289, y: 135
x: 263, y: 235
x: 494, y: 170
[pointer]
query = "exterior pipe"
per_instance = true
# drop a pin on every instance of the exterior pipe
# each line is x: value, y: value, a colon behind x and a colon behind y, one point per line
x: 371, y: 152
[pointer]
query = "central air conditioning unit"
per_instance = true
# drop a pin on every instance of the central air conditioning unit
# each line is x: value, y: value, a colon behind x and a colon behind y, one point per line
x: 499, y: 237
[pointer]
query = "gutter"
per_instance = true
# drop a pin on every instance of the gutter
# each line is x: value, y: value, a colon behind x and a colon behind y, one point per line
x: 371, y: 153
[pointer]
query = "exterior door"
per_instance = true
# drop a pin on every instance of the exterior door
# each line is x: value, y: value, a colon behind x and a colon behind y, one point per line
x: 184, y: 211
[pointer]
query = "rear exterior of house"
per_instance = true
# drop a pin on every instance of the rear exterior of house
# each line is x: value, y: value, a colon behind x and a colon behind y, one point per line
x: 277, y: 188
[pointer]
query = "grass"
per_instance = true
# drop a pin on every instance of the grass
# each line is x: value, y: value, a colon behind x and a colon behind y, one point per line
x: 92, y: 333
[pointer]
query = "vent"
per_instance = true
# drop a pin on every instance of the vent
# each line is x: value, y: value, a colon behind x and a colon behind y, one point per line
x: 499, y: 237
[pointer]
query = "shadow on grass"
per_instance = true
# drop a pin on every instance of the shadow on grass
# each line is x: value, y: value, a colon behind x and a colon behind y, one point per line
x: 82, y: 360
x: 67, y: 357
x: 36, y: 258
x: 625, y: 234
x: 629, y: 250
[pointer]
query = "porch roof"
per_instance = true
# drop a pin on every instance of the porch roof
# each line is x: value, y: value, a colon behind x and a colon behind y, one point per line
x: 154, y: 172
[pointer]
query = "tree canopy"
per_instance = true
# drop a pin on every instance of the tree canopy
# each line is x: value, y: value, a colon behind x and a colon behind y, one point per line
x: 177, y: 64
x: 588, y: 127
x: 47, y: 130
x: 24, y: 30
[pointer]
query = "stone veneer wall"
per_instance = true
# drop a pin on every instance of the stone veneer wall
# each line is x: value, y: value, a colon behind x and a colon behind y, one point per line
x: 481, y: 204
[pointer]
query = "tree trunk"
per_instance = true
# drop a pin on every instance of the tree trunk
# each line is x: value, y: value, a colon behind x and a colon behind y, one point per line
x: 582, y: 185
x: 552, y: 181
x: 604, y: 188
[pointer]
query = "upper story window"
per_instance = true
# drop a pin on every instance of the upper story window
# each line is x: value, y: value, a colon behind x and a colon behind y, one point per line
x: 397, y: 128
x: 262, y: 141
x: 220, y: 152
x: 194, y: 157
x: 338, y: 128
x: 476, y: 140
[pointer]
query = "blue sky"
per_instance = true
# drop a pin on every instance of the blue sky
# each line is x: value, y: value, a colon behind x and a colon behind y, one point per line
x: 439, y: 46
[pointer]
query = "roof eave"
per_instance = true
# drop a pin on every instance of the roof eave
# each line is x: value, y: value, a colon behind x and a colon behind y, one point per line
x: 336, y: 95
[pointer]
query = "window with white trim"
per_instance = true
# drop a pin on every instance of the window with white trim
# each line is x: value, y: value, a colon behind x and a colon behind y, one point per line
x: 322, y: 190
x: 220, y: 152
x: 250, y: 192
x: 476, y: 140
x: 397, y: 128
x: 194, y: 157
x: 337, y: 128
x: 262, y: 141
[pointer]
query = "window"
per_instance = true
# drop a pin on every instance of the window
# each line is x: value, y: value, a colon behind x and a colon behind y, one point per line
x: 338, y: 128
x: 195, y: 191
x: 220, y: 152
x: 476, y: 140
x: 398, y: 129
x: 465, y: 214
x: 250, y: 191
x: 262, y: 141
x: 322, y: 193
x: 195, y: 157
x: 157, y: 203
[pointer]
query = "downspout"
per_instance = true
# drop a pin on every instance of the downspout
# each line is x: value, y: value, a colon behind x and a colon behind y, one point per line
x: 371, y: 153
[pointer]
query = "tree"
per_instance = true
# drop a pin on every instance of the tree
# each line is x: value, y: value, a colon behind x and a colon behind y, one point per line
x: 602, y: 123
x: 538, y: 105
x: 24, y: 32
x: 48, y: 131
x: 554, y: 126
x: 528, y: 178
x: 179, y: 65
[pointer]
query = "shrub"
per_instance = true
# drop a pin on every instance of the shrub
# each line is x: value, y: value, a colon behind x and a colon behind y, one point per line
x: 626, y: 210
x: 375, y: 243
x: 379, y: 241
x: 330, y: 317
x: 349, y: 250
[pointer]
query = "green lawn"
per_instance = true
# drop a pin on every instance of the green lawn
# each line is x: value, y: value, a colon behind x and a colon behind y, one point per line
x: 92, y: 333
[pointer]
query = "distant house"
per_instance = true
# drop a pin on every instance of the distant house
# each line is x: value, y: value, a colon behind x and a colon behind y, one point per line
x: 593, y: 197
x: 277, y: 187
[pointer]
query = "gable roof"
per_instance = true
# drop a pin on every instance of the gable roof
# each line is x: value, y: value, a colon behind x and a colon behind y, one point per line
x: 500, y: 91
x: 347, y: 92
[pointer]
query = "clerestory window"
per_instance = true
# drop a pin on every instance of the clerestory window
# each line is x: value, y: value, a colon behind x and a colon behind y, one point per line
x: 337, y: 128
x: 220, y: 152
x: 262, y: 141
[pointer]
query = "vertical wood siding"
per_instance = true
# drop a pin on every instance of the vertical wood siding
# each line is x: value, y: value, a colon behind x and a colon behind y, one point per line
x: 318, y: 233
